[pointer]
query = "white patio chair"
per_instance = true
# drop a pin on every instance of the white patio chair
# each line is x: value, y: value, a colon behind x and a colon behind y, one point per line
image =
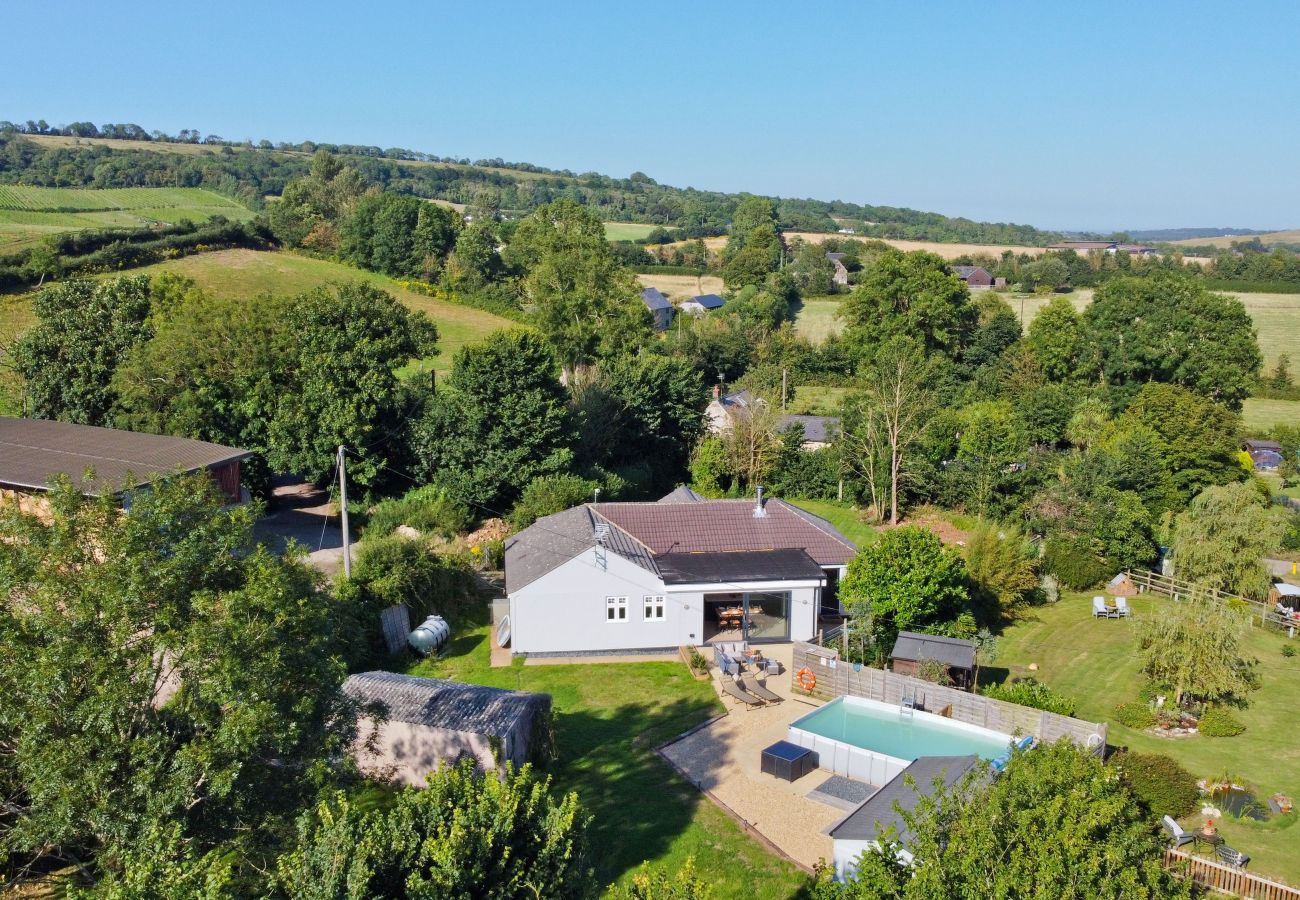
x: 1099, y: 607
x: 1121, y: 607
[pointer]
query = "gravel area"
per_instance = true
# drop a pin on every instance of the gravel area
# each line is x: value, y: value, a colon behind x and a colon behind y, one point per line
x: 724, y: 758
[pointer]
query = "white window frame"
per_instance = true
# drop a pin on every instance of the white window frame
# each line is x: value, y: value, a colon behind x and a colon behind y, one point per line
x: 652, y: 603
x: 616, y: 610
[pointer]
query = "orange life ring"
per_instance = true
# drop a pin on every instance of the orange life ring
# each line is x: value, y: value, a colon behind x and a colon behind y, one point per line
x: 807, y: 680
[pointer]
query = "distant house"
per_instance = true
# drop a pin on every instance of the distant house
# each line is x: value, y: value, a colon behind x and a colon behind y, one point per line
x: 35, y: 451
x: 841, y: 276
x: 912, y: 649
x: 1136, y: 250
x: 702, y: 303
x: 660, y: 309
x: 1265, y: 455
x: 616, y: 578
x: 976, y: 277
x: 723, y: 409
x: 427, y: 722
x: 818, y: 431
x: 861, y: 830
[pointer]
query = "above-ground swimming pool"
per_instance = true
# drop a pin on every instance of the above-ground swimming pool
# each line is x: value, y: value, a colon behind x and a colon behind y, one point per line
x: 874, y: 741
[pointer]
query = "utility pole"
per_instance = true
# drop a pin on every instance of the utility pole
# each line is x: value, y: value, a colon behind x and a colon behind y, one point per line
x: 783, y: 371
x: 343, y: 506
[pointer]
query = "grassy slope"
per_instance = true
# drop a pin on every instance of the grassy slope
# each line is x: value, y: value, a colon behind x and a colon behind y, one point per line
x: 1274, y: 237
x: 610, y: 717
x: 247, y: 273
x: 1095, y: 662
x: 627, y: 231
x: 1262, y: 415
x: 844, y: 517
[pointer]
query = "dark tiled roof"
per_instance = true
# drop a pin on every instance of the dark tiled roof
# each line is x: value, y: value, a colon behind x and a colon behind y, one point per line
x: 878, y: 813
x: 709, y: 301
x: 445, y: 704
x: 654, y: 300
x: 1253, y: 445
x: 951, y: 651
x: 681, y: 494
x: 725, y: 525
x: 817, y: 429
x: 552, y: 541
x: 968, y: 271
x: 760, y: 565
x: 33, y: 451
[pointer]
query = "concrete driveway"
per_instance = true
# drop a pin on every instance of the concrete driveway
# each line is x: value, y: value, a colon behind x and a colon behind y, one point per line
x: 302, y: 512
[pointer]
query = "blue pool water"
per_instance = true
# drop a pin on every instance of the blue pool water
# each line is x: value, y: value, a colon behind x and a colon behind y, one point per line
x: 883, y: 729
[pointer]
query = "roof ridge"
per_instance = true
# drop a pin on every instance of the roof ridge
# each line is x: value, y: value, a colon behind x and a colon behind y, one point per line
x: 621, y: 530
x: 816, y: 521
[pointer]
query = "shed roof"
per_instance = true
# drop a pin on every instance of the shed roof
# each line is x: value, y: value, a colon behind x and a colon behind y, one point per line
x: 445, y: 704
x: 968, y: 271
x: 950, y: 651
x: 738, y: 566
x: 681, y: 494
x: 878, y: 813
x: 708, y: 301
x: 654, y: 300
x: 35, y: 451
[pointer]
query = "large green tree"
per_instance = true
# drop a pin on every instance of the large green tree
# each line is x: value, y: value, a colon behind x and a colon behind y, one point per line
x: 1056, y: 339
x: 1220, y: 541
x: 1170, y: 328
x: 580, y: 297
x: 1198, y: 437
x: 178, y: 693
x: 310, y: 209
x: 1193, y: 649
x: 83, y: 330
x: 1055, y: 823
x: 343, y: 387
x: 905, y: 580
x: 500, y: 421
x: 463, y: 835
x: 912, y: 295
x: 399, y: 235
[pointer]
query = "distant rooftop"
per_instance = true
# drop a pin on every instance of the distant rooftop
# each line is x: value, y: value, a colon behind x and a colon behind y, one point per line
x: 35, y: 451
x: 709, y: 301
x: 949, y: 651
x: 654, y: 300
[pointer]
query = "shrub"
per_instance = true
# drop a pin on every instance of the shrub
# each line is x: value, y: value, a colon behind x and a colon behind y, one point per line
x: 1288, y: 651
x: 1218, y: 722
x: 428, y: 509
x: 1031, y: 692
x: 1135, y: 715
x: 1160, y: 783
x: 550, y: 494
x: 391, y: 570
x: 1075, y: 562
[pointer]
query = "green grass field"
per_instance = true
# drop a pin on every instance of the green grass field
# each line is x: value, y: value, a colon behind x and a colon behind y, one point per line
x: 846, y: 518
x: 28, y: 214
x: 1262, y: 415
x: 815, y: 318
x: 1095, y: 662
x: 609, y: 719
x: 814, y: 400
x: 627, y: 231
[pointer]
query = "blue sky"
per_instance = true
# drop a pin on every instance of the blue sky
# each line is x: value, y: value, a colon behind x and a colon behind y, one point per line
x: 1081, y: 115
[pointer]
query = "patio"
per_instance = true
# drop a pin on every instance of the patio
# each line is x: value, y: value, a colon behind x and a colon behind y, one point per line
x: 724, y: 757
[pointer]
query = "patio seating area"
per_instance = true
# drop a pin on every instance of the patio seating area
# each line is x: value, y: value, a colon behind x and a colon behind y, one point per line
x: 1116, y: 608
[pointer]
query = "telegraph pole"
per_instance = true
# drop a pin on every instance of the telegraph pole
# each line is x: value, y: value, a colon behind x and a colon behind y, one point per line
x: 343, y: 506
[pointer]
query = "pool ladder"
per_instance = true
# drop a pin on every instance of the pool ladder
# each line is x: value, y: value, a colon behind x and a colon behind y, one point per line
x: 907, y: 706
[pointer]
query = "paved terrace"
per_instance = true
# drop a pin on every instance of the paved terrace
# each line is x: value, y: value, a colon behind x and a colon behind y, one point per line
x: 724, y: 759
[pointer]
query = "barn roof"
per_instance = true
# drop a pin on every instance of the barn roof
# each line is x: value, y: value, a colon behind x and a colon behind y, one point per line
x: 35, y: 451
x: 950, y: 651
x: 816, y: 429
x: 445, y: 704
x: 654, y: 300
x: 709, y: 301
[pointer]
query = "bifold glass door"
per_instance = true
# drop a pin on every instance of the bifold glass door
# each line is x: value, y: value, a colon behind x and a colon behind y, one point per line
x: 767, y: 616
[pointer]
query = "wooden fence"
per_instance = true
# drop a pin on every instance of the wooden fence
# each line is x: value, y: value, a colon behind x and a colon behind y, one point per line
x: 1177, y: 589
x: 837, y: 678
x: 1225, y: 879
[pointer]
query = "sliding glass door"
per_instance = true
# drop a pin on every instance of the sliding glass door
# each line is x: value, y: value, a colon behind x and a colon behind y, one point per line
x: 749, y: 616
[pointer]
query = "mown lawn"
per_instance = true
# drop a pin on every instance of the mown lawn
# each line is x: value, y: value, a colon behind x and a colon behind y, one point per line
x: 815, y: 318
x: 610, y: 717
x: 1095, y: 662
x: 1262, y: 415
x: 627, y: 231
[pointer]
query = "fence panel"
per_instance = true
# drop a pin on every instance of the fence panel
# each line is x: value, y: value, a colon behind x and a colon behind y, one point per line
x: 1218, y: 877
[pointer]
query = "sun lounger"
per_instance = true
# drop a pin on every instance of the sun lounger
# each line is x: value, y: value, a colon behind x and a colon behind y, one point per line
x: 1176, y: 832
x: 1232, y: 857
x: 1099, y: 607
x: 1121, y: 607
x: 751, y: 684
x: 733, y: 690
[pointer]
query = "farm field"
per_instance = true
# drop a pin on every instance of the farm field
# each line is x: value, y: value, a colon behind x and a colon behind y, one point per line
x: 1094, y: 661
x: 814, y: 400
x: 1276, y: 317
x: 1262, y: 415
x: 947, y: 251
x: 610, y: 717
x: 28, y: 214
x: 627, y: 231
x: 248, y: 273
x: 1290, y: 236
x: 815, y: 318
x: 682, y: 287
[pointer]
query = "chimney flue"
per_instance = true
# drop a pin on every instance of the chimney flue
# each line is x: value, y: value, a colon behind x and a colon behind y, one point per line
x: 759, y: 511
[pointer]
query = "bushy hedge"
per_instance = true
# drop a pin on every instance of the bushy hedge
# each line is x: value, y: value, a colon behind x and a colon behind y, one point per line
x: 1163, y: 786
x: 1031, y: 692
x: 1075, y: 563
x: 427, y: 509
x: 1135, y: 715
x: 548, y: 495
x: 391, y: 570
x: 1218, y: 722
